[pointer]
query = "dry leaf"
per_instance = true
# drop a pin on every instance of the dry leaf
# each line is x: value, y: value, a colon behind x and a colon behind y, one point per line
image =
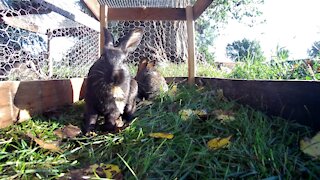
x: 224, y: 116
x: 311, y: 146
x: 109, y: 171
x: 49, y: 146
x: 161, y: 135
x: 202, y: 113
x: 185, y: 113
x: 218, y: 143
x: 69, y: 131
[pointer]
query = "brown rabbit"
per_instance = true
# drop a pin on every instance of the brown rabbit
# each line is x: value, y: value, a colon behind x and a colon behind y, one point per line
x: 111, y: 91
x: 150, y: 81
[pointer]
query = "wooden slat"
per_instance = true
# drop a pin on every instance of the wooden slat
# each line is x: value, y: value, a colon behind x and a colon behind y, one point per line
x: 8, y: 113
x: 145, y: 14
x: 191, y: 46
x: 297, y: 101
x: 138, y: 14
x: 93, y: 6
x: 20, y: 23
x: 103, y: 24
x: 292, y: 100
x: 73, y: 14
x: 36, y: 97
x: 199, y: 7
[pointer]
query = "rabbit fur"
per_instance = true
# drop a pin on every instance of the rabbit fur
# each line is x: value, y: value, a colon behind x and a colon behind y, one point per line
x: 111, y: 91
x: 150, y: 81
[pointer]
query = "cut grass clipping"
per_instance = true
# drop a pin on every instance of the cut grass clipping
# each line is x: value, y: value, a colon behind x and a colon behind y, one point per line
x: 188, y: 133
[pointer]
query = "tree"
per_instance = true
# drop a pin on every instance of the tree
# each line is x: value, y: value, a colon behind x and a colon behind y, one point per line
x: 282, y: 53
x: 315, y: 50
x: 245, y: 50
x: 213, y: 20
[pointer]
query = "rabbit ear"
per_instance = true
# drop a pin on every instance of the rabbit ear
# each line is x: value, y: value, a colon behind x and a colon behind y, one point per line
x: 151, y: 64
x: 108, y: 38
x: 131, y: 41
x: 142, y: 64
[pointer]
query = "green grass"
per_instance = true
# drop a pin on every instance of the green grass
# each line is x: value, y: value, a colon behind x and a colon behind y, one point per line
x: 181, y: 70
x: 261, y: 147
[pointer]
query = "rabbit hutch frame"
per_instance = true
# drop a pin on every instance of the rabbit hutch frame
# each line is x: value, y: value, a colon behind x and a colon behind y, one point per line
x: 296, y: 100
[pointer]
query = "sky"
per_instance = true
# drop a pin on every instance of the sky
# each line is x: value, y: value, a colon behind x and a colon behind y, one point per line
x: 293, y: 24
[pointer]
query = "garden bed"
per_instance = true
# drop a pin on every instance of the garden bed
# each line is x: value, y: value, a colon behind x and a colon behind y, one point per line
x: 259, y: 147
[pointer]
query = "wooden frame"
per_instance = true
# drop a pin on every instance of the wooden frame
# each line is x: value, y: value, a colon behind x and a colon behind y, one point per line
x: 189, y: 14
x: 191, y: 46
x: 103, y: 23
x: 34, y: 97
x: 273, y: 97
x: 75, y: 15
x: 31, y: 97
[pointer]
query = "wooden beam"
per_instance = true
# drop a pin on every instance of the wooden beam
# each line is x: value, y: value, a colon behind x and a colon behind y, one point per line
x: 103, y: 25
x: 191, y: 45
x: 94, y: 7
x: 199, y: 7
x: 290, y: 99
x: 73, y: 14
x: 138, y: 14
x: 36, y: 97
x: 146, y: 14
x: 8, y: 113
x: 18, y: 22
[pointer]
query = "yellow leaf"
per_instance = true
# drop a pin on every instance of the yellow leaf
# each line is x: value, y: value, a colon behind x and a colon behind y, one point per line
x: 218, y: 143
x: 224, y: 116
x: 311, y: 146
x: 111, y: 170
x: 185, y: 113
x: 161, y: 135
x: 202, y: 113
x: 94, y: 171
x: 45, y: 145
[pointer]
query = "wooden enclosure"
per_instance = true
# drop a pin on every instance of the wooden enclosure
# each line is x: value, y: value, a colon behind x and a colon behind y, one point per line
x: 293, y: 100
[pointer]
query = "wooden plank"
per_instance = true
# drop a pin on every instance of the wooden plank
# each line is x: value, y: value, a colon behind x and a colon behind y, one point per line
x: 146, y: 14
x: 18, y: 22
x: 8, y: 113
x: 36, y: 97
x: 94, y: 7
x: 199, y: 7
x: 297, y: 101
x: 138, y: 14
x: 103, y: 23
x: 73, y: 14
x: 191, y: 46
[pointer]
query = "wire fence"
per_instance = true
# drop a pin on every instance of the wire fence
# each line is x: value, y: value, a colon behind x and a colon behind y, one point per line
x: 38, y: 43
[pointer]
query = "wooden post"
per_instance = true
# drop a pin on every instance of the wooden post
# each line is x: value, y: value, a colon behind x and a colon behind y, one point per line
x: 191, y: 46
x: 103, y: 23
x: 50, y: 63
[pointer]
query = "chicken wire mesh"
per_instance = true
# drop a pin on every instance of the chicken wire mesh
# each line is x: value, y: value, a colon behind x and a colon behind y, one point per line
x: 162, y: 40
x: 62, y: 48
x: 52, y: 47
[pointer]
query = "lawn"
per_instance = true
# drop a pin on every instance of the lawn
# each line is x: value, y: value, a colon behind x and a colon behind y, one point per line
x: 260, y: 146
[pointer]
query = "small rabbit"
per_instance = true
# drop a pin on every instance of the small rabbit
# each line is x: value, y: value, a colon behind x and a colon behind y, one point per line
x: 111, y: 91
x: 150, y: 81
